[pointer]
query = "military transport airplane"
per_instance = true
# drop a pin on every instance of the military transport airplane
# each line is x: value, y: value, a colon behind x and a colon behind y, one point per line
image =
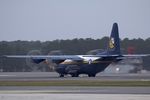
x: 85, y: 64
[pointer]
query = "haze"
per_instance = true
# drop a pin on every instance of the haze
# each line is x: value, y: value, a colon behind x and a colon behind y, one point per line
x: 67, y: 19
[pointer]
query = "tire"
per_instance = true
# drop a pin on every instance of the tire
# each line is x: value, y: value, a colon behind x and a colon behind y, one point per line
x: 75, y: 75
x: 91, y: 75
x: 61, y: 75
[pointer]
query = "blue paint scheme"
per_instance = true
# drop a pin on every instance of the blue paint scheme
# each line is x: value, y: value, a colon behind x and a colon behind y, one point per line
x: 80, y: 67
x: 94, y: 68
x: 37, y: 61
x: 115, y: 36
x: 85, y: 64
x: 90, y: 69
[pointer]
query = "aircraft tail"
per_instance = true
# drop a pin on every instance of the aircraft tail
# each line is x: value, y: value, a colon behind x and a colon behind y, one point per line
x: 114, y: 41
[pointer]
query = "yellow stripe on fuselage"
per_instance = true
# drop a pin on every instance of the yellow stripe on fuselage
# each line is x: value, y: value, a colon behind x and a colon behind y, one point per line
x: 84, y: 62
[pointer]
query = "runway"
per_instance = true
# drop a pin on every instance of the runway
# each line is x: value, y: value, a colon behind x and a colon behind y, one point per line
x: 72, y: 92
x: 47, y: 76
x: 53, y: 77
x: 73, y: 97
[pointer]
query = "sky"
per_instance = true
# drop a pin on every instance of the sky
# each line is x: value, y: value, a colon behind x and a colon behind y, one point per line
x: 48, y: 20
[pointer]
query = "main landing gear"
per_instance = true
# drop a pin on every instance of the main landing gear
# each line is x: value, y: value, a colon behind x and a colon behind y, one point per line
x: 91, y: 75
x: 77, y: 75
x: 61, y: 75
x: 72, y: 75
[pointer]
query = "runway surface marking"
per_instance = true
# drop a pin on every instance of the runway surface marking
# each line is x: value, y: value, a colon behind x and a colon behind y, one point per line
x: 74, y: 97
x: 7, y: 75
x: 74, y: 89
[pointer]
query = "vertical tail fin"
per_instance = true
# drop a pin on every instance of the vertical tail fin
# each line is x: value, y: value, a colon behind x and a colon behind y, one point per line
x: 114, y: 41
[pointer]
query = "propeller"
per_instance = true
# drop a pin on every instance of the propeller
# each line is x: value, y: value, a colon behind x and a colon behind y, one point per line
x: 52, y: 65
x: 33, y: 66
x: 44, y: 64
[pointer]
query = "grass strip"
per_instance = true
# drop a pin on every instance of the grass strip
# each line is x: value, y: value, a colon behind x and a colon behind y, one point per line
x: 75, y: 83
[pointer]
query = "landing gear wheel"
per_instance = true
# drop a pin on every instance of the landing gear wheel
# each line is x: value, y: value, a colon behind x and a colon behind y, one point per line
x: 75, y: 75
x: 91, y: 75
x: 61, y: 75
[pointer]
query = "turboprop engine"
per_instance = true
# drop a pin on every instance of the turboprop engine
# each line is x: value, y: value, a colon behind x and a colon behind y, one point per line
x: 37, y: 64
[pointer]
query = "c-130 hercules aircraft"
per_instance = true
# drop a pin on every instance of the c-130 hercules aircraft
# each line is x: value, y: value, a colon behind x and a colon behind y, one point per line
x: 85, y: 64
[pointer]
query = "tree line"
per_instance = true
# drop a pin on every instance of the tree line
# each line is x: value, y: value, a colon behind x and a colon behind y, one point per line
x: 74, y: 46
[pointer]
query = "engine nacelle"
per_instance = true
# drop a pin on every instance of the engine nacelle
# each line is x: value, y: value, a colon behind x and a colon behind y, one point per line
x: 37, y: 61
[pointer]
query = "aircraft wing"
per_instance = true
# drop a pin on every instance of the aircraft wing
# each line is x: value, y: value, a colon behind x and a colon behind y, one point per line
x: 61, y: 57
x: 53, y: 57
x: 89, y: 58
x: 133, y: 56
x: 137, y: 55
x: 73, y: 57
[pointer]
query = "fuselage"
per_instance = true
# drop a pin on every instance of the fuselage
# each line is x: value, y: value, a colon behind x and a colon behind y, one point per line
x: 75, y: 68
x: 84, y: 64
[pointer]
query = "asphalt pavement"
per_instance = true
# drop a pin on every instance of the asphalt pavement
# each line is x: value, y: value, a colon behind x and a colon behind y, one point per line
x: 47, y: 76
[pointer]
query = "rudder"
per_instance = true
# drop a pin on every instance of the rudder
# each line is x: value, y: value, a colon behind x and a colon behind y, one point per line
x: 114, y: 41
